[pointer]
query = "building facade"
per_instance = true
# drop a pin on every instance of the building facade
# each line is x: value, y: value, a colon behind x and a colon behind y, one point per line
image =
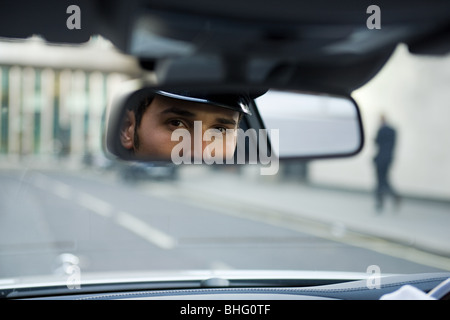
x: 52, y: 104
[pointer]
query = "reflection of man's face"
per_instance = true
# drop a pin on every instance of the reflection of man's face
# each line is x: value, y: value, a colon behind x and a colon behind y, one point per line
x: 164, y: 115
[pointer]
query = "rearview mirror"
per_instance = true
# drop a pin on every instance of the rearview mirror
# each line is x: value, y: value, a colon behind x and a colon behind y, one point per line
x: 189, y: 126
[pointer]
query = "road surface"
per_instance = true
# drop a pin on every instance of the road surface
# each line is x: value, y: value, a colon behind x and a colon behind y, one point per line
x: 111, y: 225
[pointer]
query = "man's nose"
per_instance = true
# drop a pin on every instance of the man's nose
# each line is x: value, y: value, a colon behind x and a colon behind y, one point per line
x: 200, y: 141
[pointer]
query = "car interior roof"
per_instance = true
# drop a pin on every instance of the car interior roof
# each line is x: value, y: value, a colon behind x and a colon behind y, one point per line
x: 321, y: 45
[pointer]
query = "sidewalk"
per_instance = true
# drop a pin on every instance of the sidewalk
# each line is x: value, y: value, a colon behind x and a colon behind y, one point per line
x: 421, y: 224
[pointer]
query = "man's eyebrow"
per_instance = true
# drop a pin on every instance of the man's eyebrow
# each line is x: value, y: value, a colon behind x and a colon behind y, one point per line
x: 226, y: 121
x: 186, y: 113
x: 178, y: 111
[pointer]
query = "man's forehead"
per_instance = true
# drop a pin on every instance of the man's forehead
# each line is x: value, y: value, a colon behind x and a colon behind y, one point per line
x: 189, y: 108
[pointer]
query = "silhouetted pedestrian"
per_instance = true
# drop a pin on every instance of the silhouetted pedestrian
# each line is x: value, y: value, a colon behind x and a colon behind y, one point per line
x: 385, y: 139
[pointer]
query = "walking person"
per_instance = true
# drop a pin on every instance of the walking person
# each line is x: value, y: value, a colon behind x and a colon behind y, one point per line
x: 385, y: 140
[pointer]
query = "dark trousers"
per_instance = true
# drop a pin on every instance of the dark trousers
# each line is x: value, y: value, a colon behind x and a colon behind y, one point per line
x: 384, y: 187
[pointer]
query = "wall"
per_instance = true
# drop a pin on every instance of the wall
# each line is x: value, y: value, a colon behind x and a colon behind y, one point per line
x: 414, y: 93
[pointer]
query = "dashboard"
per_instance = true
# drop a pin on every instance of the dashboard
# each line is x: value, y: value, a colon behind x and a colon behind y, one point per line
x: 347, y: 290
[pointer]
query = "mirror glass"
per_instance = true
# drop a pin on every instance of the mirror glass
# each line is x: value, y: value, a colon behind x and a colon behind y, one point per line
x: 193, y: 126
x: 311, y: 125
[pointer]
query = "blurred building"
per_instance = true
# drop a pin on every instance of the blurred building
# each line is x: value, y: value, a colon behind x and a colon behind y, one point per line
x: 54, y: 96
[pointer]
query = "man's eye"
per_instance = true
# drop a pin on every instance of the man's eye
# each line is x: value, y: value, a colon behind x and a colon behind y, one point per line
x: 222, y: 129
x: 177, y: 123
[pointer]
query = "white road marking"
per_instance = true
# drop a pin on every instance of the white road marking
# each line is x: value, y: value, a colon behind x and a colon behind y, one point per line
x: 62, y: 190
x: 106, y: 210
x: 96, y: 205
x: 142, y: 229
x: 58, y: 188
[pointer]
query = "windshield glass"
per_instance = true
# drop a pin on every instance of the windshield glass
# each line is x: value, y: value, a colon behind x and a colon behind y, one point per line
x: 65, y: 207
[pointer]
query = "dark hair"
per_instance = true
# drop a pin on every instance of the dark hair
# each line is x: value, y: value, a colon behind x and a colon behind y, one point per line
x: 139, y: 110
